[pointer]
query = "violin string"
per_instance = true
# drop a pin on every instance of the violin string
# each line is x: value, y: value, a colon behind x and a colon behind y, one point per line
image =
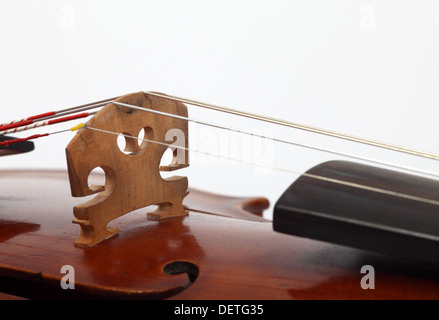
x: 285, y: 141
x: 48, y: 122
x: 430, y: 201
x: 294, y: 125
x: 7, y: 143
x: 30, y: 121
x: 243, y: 114
x: 313, y: 176
x: 101, y: 103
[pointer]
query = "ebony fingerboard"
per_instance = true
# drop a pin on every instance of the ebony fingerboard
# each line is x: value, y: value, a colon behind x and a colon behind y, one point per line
x: 372, y: 208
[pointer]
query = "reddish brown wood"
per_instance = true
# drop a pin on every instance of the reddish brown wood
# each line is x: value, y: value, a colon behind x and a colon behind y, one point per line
x: 221, y: 252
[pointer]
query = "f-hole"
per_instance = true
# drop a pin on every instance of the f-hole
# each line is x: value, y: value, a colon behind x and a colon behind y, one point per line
x: 178, y: 267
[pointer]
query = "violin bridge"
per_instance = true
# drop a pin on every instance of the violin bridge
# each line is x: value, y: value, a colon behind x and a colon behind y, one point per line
x: 132, y: 177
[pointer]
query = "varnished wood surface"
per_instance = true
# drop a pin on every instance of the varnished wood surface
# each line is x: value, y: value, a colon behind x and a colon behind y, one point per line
x: 225, y: 257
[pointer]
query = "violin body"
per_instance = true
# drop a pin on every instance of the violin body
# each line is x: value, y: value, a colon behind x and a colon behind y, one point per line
x: 223, y: 249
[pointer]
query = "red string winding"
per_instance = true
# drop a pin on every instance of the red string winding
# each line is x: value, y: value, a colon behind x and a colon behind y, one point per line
x: 35, y: 136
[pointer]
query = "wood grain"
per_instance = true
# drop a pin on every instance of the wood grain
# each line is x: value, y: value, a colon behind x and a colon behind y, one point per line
x: 133, y: 179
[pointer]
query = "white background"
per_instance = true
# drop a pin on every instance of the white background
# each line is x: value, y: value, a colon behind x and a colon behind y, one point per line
x: 367, y: 68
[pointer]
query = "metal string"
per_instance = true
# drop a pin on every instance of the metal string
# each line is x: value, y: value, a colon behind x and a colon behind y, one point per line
x: 299, y: 126
x: 313, y: 176
x: 278, y: 122
x: 290, y: 142
x: 254, y: 116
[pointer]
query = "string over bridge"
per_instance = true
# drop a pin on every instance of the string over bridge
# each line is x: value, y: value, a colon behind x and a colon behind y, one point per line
x: 133, y: 180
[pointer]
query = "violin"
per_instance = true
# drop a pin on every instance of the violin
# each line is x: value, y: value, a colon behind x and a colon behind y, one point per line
x: 342, y: 230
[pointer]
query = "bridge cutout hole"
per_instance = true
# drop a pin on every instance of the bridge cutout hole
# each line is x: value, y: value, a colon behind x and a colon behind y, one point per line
x: 96, y: 179
x: 126, y: 144
x: 145, y: 134
x: 167, y: 157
